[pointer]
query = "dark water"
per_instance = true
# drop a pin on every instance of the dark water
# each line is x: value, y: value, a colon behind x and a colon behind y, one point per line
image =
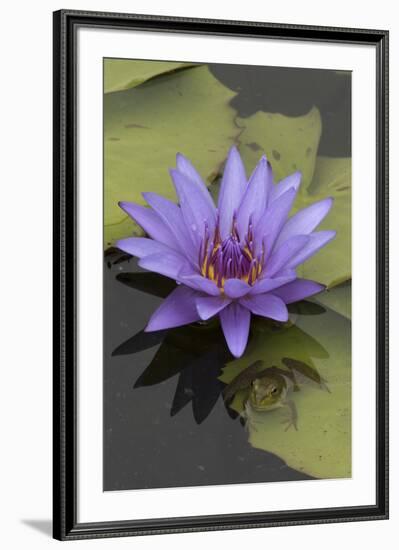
x: 293, y: 92
x: 165, y: 422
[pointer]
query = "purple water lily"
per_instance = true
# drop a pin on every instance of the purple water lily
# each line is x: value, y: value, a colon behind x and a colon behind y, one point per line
x: 233, y: 260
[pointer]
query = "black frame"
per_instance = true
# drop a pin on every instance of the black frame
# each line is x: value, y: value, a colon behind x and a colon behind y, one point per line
x: 66, y: 23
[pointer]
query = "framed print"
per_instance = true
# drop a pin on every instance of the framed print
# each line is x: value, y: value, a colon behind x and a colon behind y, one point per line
x: 220, y: 274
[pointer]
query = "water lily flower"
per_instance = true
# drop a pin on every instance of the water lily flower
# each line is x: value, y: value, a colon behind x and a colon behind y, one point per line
x: 233, y: 260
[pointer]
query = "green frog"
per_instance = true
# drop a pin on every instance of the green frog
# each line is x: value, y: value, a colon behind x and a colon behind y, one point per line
x: 269, y: 389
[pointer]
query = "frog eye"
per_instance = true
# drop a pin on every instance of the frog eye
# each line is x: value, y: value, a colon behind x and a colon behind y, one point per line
x: 274, y: 390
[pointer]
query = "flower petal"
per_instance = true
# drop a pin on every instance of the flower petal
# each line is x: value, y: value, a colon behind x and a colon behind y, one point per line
x: 235, y: 288
x: 269, y: 226
x: 185, y: 167
x: 235, y: 321
x: 298, y: 290
x: 195, y: 205
x: 192, y: 279
x: 172, y: 217
x: 233, y: 186
x: 267, y: 284
x: 306, y: 220
x: 267, y: 305
x: 284, y: 253
x: 209, y: 306
x: 254, y: 201
x: 179, y: 308
x: 141, y: 247
x: 167, y: 263
x: 293, y: 181
x: 150, y: 222
x: 316, y: 241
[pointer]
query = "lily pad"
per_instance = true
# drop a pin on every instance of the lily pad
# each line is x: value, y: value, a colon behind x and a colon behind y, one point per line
x: 321, y: 447
x: 125, y: 227
x: 332, y: 264
x: 144, y: 127
x: 290, y: 143
x: 338, y: 299
x: 122, y: 74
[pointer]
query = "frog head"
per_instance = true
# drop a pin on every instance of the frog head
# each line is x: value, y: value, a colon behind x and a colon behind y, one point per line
x: 267, y: 392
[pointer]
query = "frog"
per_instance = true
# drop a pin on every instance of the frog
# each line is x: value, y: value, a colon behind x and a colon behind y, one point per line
x: 268, y: 392
x: 269, y: 388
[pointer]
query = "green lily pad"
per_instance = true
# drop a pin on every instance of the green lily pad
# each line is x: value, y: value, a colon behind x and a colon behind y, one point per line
x: 332, y: 264
x: 122, y: 74
x: 124, y: 228
x: 271, y: 342
x: 144, y: 127
x: 321, y: 447
x: 290, y: 143
x: 338, y: 298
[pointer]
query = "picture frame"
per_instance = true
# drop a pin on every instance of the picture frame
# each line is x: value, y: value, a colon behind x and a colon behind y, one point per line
x: 68, y: 221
